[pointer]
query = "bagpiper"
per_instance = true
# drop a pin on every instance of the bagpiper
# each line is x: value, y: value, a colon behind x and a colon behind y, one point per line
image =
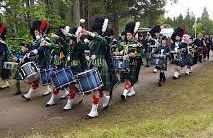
x: 179, y: 51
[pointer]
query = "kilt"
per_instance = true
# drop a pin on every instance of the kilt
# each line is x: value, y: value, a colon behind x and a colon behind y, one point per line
x: 75, y: 66
x: 189, y: 60
x: 112, y: 73
x: 147, y: 55
x: 179, y: 62
x: 17, y: 76
x: 134, y: 69
x: 101, y: 64
x: 5, y: 73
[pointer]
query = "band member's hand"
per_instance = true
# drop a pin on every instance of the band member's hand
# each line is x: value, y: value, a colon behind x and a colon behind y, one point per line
x: 93, y: 57
x: 132, y: 55
x: 116, y: 53
x: 126, y: 56
x: 35, y: 51
x: 64, y: 32
x: 84, y: 32
x: 14, y: 59
x: 54, y: 35
x: 87, y: 58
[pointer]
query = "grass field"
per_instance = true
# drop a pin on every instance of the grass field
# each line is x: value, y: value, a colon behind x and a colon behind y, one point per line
x: 181, y: 108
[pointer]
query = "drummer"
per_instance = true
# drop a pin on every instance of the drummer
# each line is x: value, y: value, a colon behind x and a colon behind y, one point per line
x: 98, y: 49
x: 162, y: 50
x: 24, y: 58
x: 41, y: 46
x: 58, y: 58
x: 74, y: 58
x: 154, y: 40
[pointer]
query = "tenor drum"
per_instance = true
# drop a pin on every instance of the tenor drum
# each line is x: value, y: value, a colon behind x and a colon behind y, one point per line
x: 62, y: 78
x: 89, y: 81
x: 158, y: 60
x: 120, y: 63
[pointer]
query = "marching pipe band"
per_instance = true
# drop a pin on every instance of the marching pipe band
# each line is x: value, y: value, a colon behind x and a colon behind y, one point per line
x: 78, y: 62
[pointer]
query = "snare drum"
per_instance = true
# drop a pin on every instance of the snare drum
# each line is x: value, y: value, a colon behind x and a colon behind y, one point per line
x: 89, y: 81
x: 62, y: 78
x: 120, y: 63
x: 29, y: 72
x: 10, y: 65
x: 45, y: 76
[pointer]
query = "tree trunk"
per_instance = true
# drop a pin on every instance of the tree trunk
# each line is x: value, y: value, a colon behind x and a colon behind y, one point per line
x: 76, y: 12
x: 115, y: 25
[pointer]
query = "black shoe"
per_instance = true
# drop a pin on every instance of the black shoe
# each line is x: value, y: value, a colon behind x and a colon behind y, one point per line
x: 174, y: 77
x: 159, y: 84
x: 80, y: 101
x: 123, y: 97
x: 4, y: 87
x: 17, y: 93
x: 27, y: 99
x: 48, y: 105
x: 89, y: 117
x: 106, y: 107
x: 44, y: 95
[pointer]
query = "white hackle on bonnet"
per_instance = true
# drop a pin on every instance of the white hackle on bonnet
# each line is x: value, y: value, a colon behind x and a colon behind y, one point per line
x: 137, y: 24
x: 105, y: 24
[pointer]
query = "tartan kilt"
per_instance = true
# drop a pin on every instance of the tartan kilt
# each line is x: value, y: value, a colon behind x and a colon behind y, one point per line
x: 132, y: 74
x: 189, y: 60
x: 101, y: 64
x: 112, y: 73
x: 147, y: 55
x: 5, y: 73
x: 16, y: 75
x: 75, y: 66
x: 180, y: 62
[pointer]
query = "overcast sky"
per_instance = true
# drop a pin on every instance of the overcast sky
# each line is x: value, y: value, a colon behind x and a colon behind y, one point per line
x: 194, y: 5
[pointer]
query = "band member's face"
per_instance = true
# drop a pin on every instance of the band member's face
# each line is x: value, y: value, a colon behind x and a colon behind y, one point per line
x: 37, y: 34
x: 111, y: 37
x: 71, y: 42
x: 148, y: 36
x: 163, y: 42
x: 177, y: 38
x: 24, y: 49
x: 190, y: 41
x: 140, y: 37
x: 129, y: 36
x: 157, y: 35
